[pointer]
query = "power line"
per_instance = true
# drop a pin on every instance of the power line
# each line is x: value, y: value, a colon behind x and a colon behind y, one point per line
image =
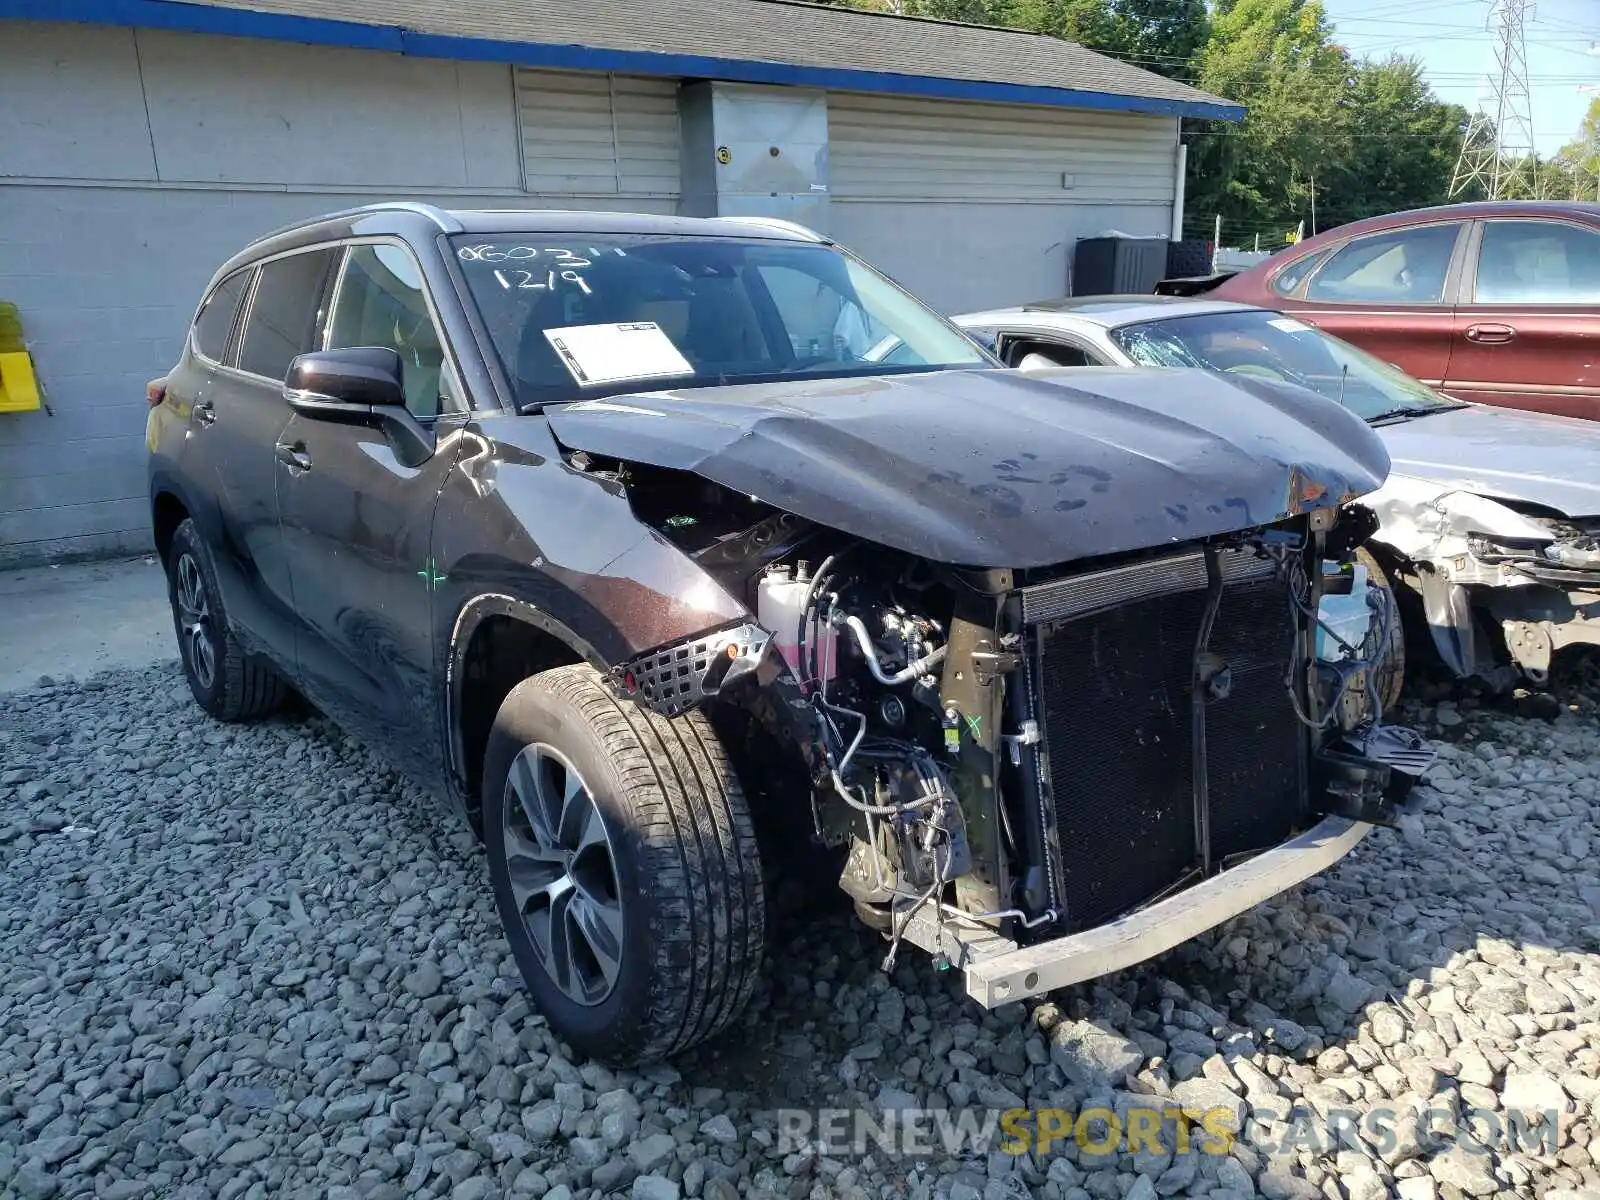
x: 1497, y: 152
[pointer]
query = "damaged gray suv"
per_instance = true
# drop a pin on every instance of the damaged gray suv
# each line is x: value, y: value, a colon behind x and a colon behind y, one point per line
x: 654, y: 545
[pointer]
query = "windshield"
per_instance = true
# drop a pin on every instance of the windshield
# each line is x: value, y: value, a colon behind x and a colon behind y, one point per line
x: 1271, y: 346
x: 596, y: 314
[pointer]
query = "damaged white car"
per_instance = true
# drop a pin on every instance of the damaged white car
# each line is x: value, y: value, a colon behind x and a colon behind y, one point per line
x: 1490, y: 517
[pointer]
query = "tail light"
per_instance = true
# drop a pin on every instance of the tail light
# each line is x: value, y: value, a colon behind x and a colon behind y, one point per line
x: 155, y: 391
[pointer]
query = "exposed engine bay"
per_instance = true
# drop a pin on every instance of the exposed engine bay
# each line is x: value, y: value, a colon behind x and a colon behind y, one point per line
x: 1007, y: 756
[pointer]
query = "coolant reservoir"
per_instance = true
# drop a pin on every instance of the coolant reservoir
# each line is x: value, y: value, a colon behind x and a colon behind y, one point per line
x: 1347, y: 616
x: 780, y: 597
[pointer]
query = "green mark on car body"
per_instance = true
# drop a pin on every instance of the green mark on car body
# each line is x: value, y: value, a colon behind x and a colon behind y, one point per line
x: 431, y: 575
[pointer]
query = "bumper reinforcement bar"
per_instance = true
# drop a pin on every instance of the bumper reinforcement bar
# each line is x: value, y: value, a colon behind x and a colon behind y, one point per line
x: 999, y: 972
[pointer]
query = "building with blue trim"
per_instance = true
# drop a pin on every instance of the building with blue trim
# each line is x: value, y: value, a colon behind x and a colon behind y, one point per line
x: 145, y: 140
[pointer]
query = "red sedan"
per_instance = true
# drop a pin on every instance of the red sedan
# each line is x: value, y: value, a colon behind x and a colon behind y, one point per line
x: 1493, y: 302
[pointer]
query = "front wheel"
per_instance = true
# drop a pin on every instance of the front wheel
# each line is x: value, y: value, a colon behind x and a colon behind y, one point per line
x: 1391, y: 665
x: 624, y: 866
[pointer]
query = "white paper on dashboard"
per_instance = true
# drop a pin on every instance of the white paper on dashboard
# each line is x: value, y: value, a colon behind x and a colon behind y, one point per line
x: 617, y: 352
x: 1289, y: 325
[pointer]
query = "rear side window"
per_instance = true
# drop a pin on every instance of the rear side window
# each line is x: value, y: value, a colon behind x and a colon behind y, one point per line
x: 1538, y: 262
x: 283, y: 313
x: 1287, y: 281
x: 212, y: 326
x: 1407, y: 266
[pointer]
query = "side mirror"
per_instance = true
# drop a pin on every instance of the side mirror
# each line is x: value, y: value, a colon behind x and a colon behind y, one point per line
x: 345, y: 383
x: 363, y: 385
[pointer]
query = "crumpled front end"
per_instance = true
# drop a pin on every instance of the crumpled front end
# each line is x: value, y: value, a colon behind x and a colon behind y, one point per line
x: 1029, y: 695
x: 1040, y: 775
x: 1503, y: 585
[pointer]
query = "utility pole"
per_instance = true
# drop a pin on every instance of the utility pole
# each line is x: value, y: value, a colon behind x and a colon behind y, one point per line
x: 1594, y: 146
x: 1497, y: 149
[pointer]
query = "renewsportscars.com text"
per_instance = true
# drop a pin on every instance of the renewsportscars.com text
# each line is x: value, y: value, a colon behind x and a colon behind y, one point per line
x: 914, y: 1132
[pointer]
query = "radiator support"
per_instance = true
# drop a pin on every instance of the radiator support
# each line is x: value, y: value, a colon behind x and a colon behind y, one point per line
x: 1168, y: 739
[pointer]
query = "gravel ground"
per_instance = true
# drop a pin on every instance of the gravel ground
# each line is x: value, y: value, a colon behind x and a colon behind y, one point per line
x: 250, y: 961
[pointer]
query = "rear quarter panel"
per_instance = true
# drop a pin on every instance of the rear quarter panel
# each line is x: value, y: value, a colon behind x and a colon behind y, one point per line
x: 167, y: 441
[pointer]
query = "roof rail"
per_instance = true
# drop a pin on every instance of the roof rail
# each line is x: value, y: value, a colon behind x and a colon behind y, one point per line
x: 445, y: 222
x: 437, y: 215
x: 781, y: 226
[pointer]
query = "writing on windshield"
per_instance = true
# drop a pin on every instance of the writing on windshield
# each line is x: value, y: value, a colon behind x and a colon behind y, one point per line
x: 730, y: 309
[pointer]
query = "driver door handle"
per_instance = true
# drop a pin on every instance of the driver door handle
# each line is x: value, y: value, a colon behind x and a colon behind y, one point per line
x: 293, y: 456
x: 1491, y: 334
x: 204, y: 412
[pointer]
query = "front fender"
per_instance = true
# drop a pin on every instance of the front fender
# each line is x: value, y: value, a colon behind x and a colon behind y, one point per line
x: 519, y: 533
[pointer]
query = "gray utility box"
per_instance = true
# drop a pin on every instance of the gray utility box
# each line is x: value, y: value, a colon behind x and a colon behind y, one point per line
x: 1104, y: 266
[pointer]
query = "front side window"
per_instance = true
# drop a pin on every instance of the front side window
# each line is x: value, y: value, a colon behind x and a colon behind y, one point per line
x: 380, y: 302
x: 1538, y: 262
x: 215, y: 322
x: 1266, y: 345
x: 1407, y: 266
x: 598, y: 314
x: 283, y: 312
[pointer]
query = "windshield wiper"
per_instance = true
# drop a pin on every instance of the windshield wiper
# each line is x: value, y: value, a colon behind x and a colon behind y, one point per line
x: 1413, y: 410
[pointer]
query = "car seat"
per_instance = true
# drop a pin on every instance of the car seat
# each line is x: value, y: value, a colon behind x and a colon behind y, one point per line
x: 1499, y: 272
x: 721, y: 326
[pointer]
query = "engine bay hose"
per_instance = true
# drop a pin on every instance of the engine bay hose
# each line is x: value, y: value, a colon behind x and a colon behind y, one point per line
x: 912, y: 670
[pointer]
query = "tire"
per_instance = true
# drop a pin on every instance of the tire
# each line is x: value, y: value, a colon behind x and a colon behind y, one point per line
x: 225, y: 681
x: 676, y: 957
x: 1392, y: 663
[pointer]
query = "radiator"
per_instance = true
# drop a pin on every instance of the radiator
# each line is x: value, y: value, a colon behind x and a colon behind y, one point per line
x: 1109, y: 679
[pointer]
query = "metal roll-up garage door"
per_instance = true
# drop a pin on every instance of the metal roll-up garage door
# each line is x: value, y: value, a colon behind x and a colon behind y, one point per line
x: 973, y: 205
x: 591, y: 137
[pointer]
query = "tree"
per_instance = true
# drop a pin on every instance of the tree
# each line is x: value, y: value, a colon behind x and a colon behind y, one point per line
x: 1577, y: 164
x: 1277, y: 58
x: 1403, y: 151
x: 974, y: 12
x: 1159, y: 35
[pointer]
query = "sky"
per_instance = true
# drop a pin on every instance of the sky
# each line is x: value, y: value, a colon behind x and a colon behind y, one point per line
x: 1452, y: 40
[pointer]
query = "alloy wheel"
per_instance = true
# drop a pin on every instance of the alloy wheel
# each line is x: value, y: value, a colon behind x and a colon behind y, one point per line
x: 563, y: 874
x: 194, y: 621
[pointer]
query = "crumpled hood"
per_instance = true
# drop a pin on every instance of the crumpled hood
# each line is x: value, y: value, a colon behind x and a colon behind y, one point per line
x: 1503, y: 453
x: 994, y: 468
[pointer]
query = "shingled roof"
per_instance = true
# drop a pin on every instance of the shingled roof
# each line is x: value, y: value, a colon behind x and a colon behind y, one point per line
x: 764, y: 41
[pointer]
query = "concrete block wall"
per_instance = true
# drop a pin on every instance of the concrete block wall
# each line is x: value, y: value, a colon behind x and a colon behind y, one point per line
x: 132, y: 162
x: 141, y: 160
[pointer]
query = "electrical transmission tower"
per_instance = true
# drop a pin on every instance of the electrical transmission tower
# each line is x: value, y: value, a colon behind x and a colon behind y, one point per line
x: 1497, y: 148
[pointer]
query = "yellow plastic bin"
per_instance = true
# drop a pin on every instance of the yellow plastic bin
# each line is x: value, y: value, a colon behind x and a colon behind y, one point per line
x: 18, y: 384
x: 19, y: 388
